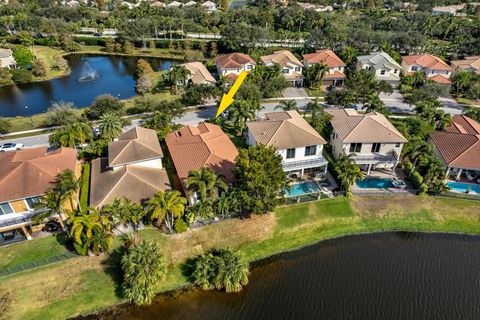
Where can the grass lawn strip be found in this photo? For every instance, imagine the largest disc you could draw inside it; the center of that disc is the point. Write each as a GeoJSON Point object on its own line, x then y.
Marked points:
{"type": "Point", "coordinates": [86, 284]}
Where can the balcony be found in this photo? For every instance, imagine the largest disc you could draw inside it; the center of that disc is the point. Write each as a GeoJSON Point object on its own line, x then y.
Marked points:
{"type": "Point", "coordinates": [375, 157]}
{"type": "Point", "coordinates": [304, 164]}
{"type": "Point", "coordinates": [23, 220]}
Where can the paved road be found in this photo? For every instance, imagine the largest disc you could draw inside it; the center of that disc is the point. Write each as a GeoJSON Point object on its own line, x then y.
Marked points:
{"type": "Point", "coordinates": [396, 104]}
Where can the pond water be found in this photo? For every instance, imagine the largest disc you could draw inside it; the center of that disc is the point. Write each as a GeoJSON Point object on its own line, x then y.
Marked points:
{"type": "Point", "coordinates": [379, 276]}
{"type": "Point", "coordinates": [91, 75]}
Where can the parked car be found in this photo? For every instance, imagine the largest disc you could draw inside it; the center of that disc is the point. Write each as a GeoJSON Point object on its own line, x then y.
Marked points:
{"type": "Point", "coordinates": [11, 147]}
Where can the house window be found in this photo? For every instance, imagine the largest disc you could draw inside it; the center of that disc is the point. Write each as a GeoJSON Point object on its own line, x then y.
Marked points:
{"type": "Point", "coordinates": [310, 151]}
{"type": "Point", "coordinates": [382, 72]}
{"type": "Point", "coordinates": [291, 153]}
{"type": "Point", "coordinates": [249, 67]}
{"type": "Point", "coordinates": [355, 147]}
{"type": "Point", "coordinates": [414, 68]}
{"type": "Point", "coordinates": [395, 70]}
{"type": "Point", "coordinates": [32, 202]}
{"type": "Point", "coordinates": [376, 147]}
{"type": "Point", "coordinates": [397, 145]}
{"type": "Point", "coordinates": [5, 208]}
{"type": "Point", "coordinates": [285, 70]}
{"type": "Point", "coordinates": [298, 69]}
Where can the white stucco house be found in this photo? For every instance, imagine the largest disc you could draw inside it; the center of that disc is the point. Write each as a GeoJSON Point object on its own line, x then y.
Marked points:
{"type": "Point", "coordinates": [6, 59]}
{"type": "Point", "coordinates": [300, 145]}
{"type": "Point", "coordinates": [382, 66]}
{"type": "Point", "coordinates": [232, 64]}
{"type": "Point", "coordinates": [291, 67]}
{"type": "Point", "coordinates": [432, 66]}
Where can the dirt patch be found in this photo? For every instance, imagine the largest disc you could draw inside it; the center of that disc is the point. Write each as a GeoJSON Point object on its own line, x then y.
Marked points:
{"type": "Point", "coordinates": [231, 233]}
{"type": "Point", "coordinates": [380, 206]}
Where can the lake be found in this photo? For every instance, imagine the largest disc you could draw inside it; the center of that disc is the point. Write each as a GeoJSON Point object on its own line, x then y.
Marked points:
{"type": "Point", "coordinates": [378, 276]}
{"type": "Point", "coordinates": [114, 75]}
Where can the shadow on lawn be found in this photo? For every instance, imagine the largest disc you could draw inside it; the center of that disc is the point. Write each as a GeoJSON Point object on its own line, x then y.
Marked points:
{"type": "Point", "coordinates": [112, 266]}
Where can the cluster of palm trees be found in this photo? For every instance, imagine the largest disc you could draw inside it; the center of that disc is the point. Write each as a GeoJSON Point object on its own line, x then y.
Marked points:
{"type": "Point", "coordinates": [315, 74]}
{"type": "Point", "coordinates": [347, 173]}
{"type": "Point", "coordinates": [177, 75]}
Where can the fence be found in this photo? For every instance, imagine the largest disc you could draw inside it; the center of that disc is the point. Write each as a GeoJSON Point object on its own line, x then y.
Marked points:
{"type": "Point", "coordinates": [36, 264]}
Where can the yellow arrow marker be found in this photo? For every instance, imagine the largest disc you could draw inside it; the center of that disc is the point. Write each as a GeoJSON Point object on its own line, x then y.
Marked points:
{"type": "Point", "coordinates": [227, 98]}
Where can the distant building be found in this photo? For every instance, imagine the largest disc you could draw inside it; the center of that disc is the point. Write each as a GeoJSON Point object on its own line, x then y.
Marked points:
{"type": "Point", "coordinates": [448, 10]}
{"type": "Point", "coordinates": [336, 66]}
{"type": "Point", "coordinates": [369, 139]}
{"type": "Point", "coordinates": [300, 145]}
{"type": "Point", "coordinates": [190, 4]}
{"type": "Point", "coordinates": [6, 59]}
{"type": "Point", "coordinates": [290, 65]}
{"type": "Point", "coordinates": [25, 176]}
{"type": "Point", "coordinates": [433, 67]}
{"type": "Point", "coordinates": [209, 5]}
{"type": "Point", "coordinates": [231, 65]}
{"type": "Point", "coordinates": [195, 147]}
{"type": "Point", "coordinates": [199, 74]}
{"type": "Point", "coordinates": [133, 169]}
{"type": "Point", "coordinates": [158, 4]}
{"type": "Point", "coordinates": [382, 66]}
{"type": "Point", "coordinates": [174, 4]}
{"type": "Point", "coordinates": [470, 64]}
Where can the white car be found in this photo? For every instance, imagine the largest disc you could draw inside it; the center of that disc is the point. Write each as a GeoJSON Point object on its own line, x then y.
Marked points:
{"type": "Point", "coordinates": [11, 147]}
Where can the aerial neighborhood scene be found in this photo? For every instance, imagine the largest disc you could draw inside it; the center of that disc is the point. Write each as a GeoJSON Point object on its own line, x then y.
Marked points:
{"type": "Point", "coordinates": [239, 159]}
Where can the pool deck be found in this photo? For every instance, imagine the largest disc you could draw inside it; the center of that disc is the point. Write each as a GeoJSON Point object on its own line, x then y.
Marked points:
{"type": "Point", "coordinates": [399, 174]}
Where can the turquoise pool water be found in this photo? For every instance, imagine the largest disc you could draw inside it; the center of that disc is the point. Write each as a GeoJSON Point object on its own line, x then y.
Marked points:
{"type": "Point", "coordinates": [303, 188]}
{"type": "Point", "coordinates": [462, 187]}
{"type": "Point", "coordinates": [375, 183]}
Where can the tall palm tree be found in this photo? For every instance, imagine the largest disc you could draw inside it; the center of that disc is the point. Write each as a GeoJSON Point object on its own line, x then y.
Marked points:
{"type": "Point", "coordinates": [417, 150]}
{"type": "Point", "coordinates": [315, 75]}
{"type": "Point", "coordinates": [205, 181]}
{"type": "Point", "coordinates": [313, 107]}
{"type": "Point", "coordinates": [434, 171]}
{"type": "Point", "coordinates": [67, 184]}
{"type": "Point", "coordinates": [110, 126]}
{"type": "Point", "coordinates": [374, 103]}
{"type": "Point", "coordinates": [123, 211]}
{"type": "Point", "coordinates": [71, 135]}
{"type": "Point", "coordinates": [86, 226]}
{"type": "Point", "coordinates": [165, 207]}
{"type": "Point", "coordinates": [177, 74]}
{"type": "Point", "coordinates": [442, 119]}
{"type": "Point", "coordinates": [241, 112]}
{"type": "Point", "coordinates": [287, 105]}
{"type": "Point", "coordinates": [50, 204]}
{"type": "Point", "coordinates": [347, 172]}
{"type": "Point", "coordinates": [223, 204]}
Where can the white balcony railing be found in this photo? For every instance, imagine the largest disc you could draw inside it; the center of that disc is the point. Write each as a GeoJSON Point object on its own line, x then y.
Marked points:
{"type": "Point", "coordinates": [309, 163]}
{"type": "Point", "coordinates": [390, 157]}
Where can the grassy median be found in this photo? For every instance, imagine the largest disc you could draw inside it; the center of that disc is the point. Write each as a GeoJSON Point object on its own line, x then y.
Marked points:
{"type": "Point", "coordinates": [86, 284]}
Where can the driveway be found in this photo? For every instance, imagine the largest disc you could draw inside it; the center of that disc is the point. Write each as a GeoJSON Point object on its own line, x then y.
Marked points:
{"type": "Point", "coordinates": [293, 92]}
{"type": "Point", "coordinates": [395, 102]}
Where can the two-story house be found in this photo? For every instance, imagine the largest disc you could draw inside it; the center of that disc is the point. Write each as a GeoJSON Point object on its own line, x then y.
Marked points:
{"type": "Point", "coordinates": [469, 64]}
{"type": "Point", "coordinates": [133, 169]}
{"type": "Point", "coordinates": [232, 64]}
{"type": "Point", "coordinates": [335, 75]}
{"type": "Point", "coordinates": [201, 146]}
{"type": "Point", "coordinates": [290, 65]}
{"type": "Point", "coordinates": [25, 176]}
{"type": "Point", "coordinates": [382, 66]}
{"type": "Point", "coordinates": [209, 6]}
{"type": "Point", "coordinates": [433, 67]}
{"type": "Point", "coordinates": [370, 139]}
{"type": "Point", "coordinates": [198, 74]}
{"type": "Point", "coordinates": [300, 145]}
{"type": "Point", "coordinates": [6, 59]}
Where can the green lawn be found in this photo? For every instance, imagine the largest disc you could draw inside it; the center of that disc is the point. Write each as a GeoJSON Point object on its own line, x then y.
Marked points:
{"type": "Point", "coordinates": [86, 284]}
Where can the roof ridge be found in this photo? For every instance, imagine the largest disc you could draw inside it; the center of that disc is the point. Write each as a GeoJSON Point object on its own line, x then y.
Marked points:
{"type": "Point", "coordinates": [303, 129]}
{"type": "Point", "coordinates": [113, 187]}
{"type": "Point", "coordinates": [361, 120]}
{"type": "Point", "coordinates": [466, 150]}
{"type": "Point", "coordinates": [12, 171]}
{"type": "Point", "coordinates": [276, 131]}
{"type": "Point", "coordinates": [123, 149]}
{"type": "Point", "coordinates": [145, 181]}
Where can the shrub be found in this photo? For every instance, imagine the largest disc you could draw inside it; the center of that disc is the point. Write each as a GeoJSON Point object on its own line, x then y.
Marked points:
{"type": "Point", "coordinates": [5, 126]}
{"type": "Point", "coordinates": [60, 63]}
{"type": "Point", "coordinates": [180, 226]}
{"type": "Point", "coordinates": [144, 68]}
{"type": "Point", "coordinates": [22, 76]}
{"type": "Point", "coordinates": [105, 103]}
{"type": "Point", "coordinates": [220, 269]}
{"type": "Point", "coordinates": [39, 68]}
{"type": "Point", "coordinates": [408, 167]}
{"type": "Point", "coordinates": [60, 114]}
{"type": "Point", "coordinates": [416, 179]}
{"type": "Point", "coordinates": [423, 189]}
{"type": "Point", "coordinates": [143, 267]}
{"type": "Point", "coordinates": [23, 56]}
{"type": "Point", "coordinates": [128, 47]}
{"type": "Point", "coordinates": [144, 83]}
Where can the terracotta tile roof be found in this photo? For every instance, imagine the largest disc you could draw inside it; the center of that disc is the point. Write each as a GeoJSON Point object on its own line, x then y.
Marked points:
{"type": "Point", "coordinates": [133, 182]}
{"type": "Point", "coordinates": [231, 77]}
{"type": "Point", "coordinates": [198, 72]}
{"type": "Point", "coordinates": [427, 61]}
{"type": "Point", "coordinates": [335, 75]}
{"type": "Point", "coordinates": [205, 145]}
{"type": "Point", "coordinates": [284, 130]}
{"type": "Point", "coordinates": [438, 78]}
{"type": "Point", "coordinates": [234, 60]}
{"type": "Point", "coordinates": [371, 127]}
{"type": "Point", "coordinates": [282, 58]}
{"type": "Point", "coordinates": [467, 63]}
{"type": "Point", "coordinates": [137, 144]}
{"type": "Point", "coordinates": [325, 56]}
{"type": "Point", "coordinates": [459, 143]}
{"type": "Point", "coordinates": [31, 172]}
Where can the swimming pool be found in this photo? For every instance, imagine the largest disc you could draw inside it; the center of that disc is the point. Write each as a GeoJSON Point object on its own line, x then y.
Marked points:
{"type": "Point", "coordinates": [303, 188]}
{"type": "Point", "coordinates": [375, 183]}
{"type": "Point", "coordinates": [462, 187]}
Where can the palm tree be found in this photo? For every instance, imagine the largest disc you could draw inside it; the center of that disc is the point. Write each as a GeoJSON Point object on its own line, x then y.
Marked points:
{"type": "Point", "coordinates": [86, 226]}
{"type": "Point", "coordinates": [418, 79]}
{"type": "Point", "coordinates": [177, 74]}
{"type": "Point", "coordinates": [110, 126]}
{"type": "Point", "coordinates": [349, 54]}
{"type": "Point", "coordinates": [205, 181]}
{"type": "Point", "coordinates": [241, 112]}
{"type": "Point", "coordinates": [440, 186]}
{"type": "Point", "coordinates": [374, 103]}
{"type": "Point", "coordinates": [71, 135]}
{"type": "Point", "coordinates": [143, 267]}
{"type": "Point", "coordinates": [472, 112]}
{"type": "Point", "coordinates": [223, 204]}
{"type": "Point", "coordinates": [313, 107]}
{"type": "Point", "coordinates": [287, 105]}
{"type": "Point", "coordinates": [165, 207]}
{"type": "Point", "coordinates": [50, 204]}
{"type": "Point", "coordinates": [414, 154]}
{"type": "Point", "coordinates": [347, 172]}
{"type": "Point", "coordinates": [434, 171]}
{"type": "Point", "coordinates": [123, 211]}
{"type": "Point", "coordinates": [232, 272]}
{"type": "Point", "coordinates": [67, 185]}
{"type": "Point", "coordinates": [442, 119]}
{"type": "Point", "coordinates": [315, 75]}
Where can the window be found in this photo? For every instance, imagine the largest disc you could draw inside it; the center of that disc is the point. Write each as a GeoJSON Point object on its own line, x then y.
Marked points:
{"type": "Point", "coordinates": [291, 153]}
{"type": "Point", "coordinates": [397, 145]}
{"type": "Point", "coordinates": [298, 69]}
{"type": "Point", "coordinates": [355, 147]}
{"type": "Point", "coordinates": [414, 68]}
{"type": "Point", "coordinates": [395, 70]}
{"type": "Point", "coordinates": [285, 70]}
{"type": "Point", "coordinates": [310, 151]}
{"type": "Point", "coordinates": [376, 147]}
{"type": "Point", "coordinates": [382, 72]}
{"type": "Point", "coordinates": [32, 202]}
{"type": "Point", "coordinates": [5, 208]}
{"type": "Point", "coordinates": [249, 67]}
